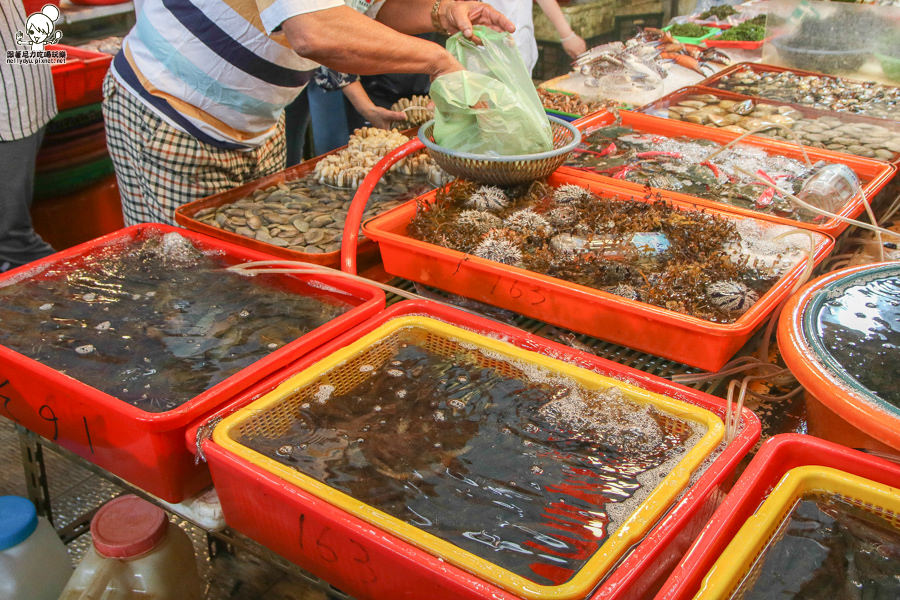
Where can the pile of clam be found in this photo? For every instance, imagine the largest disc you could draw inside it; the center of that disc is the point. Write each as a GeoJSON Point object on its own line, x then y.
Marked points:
{"type": "Point", "coordinates": [367, 146]}
{"type": "Point", "coordinates": [828, 93]}
{"type": "Point", "coordinates": [770, 120]}
{"type": "Point", "coordinates": [304, 215]}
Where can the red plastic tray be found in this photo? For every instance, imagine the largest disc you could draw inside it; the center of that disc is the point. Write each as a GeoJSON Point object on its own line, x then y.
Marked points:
{"type": "Point", "coordinates": [147, 449]}
{"type": "Point", "coordinates": [377, 565]}
{"type": "Point", "coordinates": [743, 45]}
{"type": "Point", "coordinates": [80, 80]}
{"type": "Point", "coordinates": [658, 106]}
{"type": "Point", "coordinates": [873, 174]}
{"type": "Point", "coordinates": [777, 456]}
{"type": "Point", "coordinates": [715, 24]}
{"type": "Point", "coordinates": [367, 251]}
{"type": "Point", "coordinates": [648, 328]}
{"type": "Point", "coordinates": [33, 6]}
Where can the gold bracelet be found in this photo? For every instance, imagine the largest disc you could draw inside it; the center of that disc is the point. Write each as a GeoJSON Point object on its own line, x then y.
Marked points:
{"type": "Point", "coordinates": [436, 17]}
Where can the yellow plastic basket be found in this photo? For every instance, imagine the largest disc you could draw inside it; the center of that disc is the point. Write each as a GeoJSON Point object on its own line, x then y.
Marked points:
{"type": "Point", "coordinates": [740, 563]}
{"type": "Point", "coordinates": [273, 412]}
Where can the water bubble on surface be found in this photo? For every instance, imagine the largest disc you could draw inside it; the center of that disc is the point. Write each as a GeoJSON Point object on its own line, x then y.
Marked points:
{"type": "Point", "coordinates": [324, 393]}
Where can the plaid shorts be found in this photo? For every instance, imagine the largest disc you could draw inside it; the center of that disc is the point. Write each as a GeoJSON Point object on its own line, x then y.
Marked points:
{"type": "Point", "coordinates": [159, 167]}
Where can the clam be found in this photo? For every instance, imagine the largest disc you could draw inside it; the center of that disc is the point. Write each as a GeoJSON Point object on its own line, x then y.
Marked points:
{"type": "Point", "coordinates": [744, 107]}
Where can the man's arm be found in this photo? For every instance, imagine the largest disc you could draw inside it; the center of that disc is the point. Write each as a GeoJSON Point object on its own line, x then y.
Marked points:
{"type": "Point", "coordinates": [414, 16]}
{"type": "Point", "coordinates": [344, 40]}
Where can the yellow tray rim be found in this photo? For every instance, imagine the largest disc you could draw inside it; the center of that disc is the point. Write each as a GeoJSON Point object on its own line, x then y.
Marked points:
{"type": "Point", "coordinates": [629, 532]}
{"type": "Point", "coordinates": [735, 561]}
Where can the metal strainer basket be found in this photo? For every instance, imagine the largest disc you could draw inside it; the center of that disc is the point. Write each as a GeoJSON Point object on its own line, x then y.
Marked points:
{"type": "Point", "coordinates": [504, 170]}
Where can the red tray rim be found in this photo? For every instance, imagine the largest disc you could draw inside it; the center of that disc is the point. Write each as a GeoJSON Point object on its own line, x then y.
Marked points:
{"type": "Point", "coordinates": [715, 42]}
{"type": "Point", "coordinates": [744, 324]}
{"type": "Point", "coordinates": [372, 300]}
{"type": "Point", "coordinates": [184, 215]}
{"type": "Point", "coordinates": [653, 544]}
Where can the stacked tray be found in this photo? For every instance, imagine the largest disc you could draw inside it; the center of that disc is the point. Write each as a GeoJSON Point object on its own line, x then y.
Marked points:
{"type": "Point", "coordinates": [79, 80]}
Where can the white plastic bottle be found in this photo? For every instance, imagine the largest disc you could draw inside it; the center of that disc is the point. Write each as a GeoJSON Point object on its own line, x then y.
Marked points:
{"type": "Point", "coordinates": [34, 564]}
{"type": "Point", "coordinates": [137, 554]}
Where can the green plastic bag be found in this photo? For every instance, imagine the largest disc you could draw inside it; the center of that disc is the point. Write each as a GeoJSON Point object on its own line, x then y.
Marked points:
{"type": "Point", "coordinates": [492, 107]}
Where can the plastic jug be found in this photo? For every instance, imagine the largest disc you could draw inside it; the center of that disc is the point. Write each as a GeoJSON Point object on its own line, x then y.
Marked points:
{"type": "Point", "coordinates": [34, 564]}
{"type": "Point", "coordinates": [137, 554]}
{"type": "Point", "coordinates": [830, 187]}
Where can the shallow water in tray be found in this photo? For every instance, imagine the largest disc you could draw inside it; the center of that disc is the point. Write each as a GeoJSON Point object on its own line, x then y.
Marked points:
{"type": "Point", "coordinates": [861, 330]}
{"type": "Point", "coordinates": [154, 323]}
{"type": "Point", "coordinates": [831, 549]}
{"type": "Point", "coordinates": [527, 472]}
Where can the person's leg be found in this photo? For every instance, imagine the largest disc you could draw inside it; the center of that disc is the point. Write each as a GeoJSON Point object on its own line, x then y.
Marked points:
{"type": "Point", "coordinates": [19, 244]}
{"type": "Point", "coordinates": [160, 168]}
{"type": "Point", "coordinates": [329, 121]}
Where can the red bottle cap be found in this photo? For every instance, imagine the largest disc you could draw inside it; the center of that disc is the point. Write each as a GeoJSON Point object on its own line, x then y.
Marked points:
{"type": "Point", "coordinates": [128, 527]}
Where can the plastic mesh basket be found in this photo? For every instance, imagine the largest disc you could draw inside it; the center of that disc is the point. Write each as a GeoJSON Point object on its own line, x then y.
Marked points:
{"type": "Point", "coordinates": [740, 564]}
{"type": "Point", "coordinates": [504, 170]}
{"type": "Point", "coordinates": [274, 413]}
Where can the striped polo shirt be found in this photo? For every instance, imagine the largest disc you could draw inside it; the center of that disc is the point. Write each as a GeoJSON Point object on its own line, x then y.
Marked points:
{"type": "Point", "coordinates": [216, 69]}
